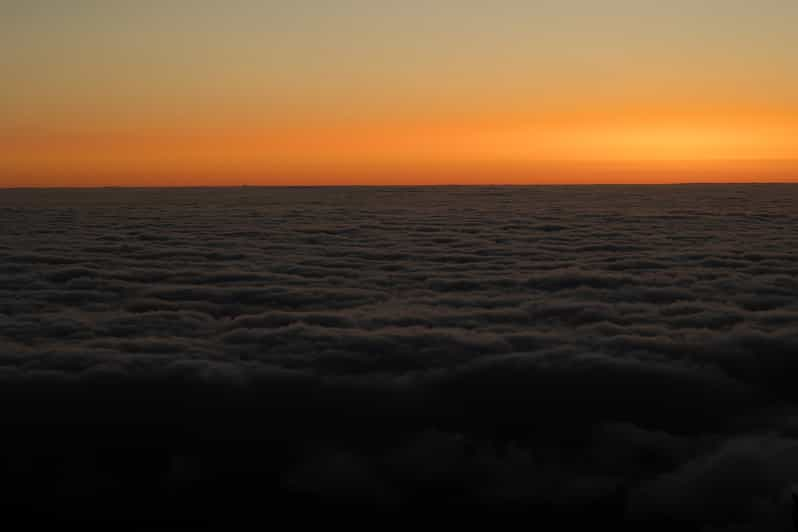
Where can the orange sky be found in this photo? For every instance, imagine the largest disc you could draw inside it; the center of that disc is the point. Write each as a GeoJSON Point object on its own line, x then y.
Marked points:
{"type": "Point", "coordinates": [188, 93]}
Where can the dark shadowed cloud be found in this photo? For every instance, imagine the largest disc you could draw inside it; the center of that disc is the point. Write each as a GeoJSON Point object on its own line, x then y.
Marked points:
{"type": "Point", "coordinates": [626, 350]}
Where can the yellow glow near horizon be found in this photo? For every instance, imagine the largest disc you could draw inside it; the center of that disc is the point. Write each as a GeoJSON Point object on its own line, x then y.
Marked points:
{"type": "Point", "coordinates": [382, 147]}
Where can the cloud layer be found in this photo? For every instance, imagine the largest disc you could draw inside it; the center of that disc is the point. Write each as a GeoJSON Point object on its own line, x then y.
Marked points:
{"type": "Point", "coordinates": [558, 350]}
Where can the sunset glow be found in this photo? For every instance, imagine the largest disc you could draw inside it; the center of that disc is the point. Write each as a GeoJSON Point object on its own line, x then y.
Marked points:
{"type": "Point", "coordinates": [357, 94]}
{"type": "Point", "coordinates": [462, 263]}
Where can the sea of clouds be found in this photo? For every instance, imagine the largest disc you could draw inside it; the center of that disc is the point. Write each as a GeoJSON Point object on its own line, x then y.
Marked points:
{"type": "Point", "coordinates": [626, 353]}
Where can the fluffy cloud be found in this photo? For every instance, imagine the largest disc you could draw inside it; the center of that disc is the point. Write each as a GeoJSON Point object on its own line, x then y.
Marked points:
{"type": "Point", "coordinates": [558, 353]}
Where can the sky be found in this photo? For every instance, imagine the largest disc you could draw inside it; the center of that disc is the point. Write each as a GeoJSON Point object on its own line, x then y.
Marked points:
{"type": "Point", "coordinates": [363, 92]}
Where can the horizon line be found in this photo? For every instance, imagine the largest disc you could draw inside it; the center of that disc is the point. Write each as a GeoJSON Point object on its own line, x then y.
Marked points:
{"type": "Point", "coordinates": [395, 185]}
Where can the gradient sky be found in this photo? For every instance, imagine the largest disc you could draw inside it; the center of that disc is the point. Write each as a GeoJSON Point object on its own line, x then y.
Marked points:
{"type": "Point", "coordinates": [354, 91]}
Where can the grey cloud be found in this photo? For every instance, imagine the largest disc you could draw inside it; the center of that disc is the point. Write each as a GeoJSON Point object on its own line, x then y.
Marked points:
{"type": "Point", "coordinates": [538, 347]}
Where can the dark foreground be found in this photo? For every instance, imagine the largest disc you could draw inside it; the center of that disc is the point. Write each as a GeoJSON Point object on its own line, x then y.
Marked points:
{"type": "Point", "coordinates": [389, 358]}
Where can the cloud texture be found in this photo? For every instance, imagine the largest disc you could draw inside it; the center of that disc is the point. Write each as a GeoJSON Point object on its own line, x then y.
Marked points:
{"type": "Point", "coordinates": [605, 352]}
